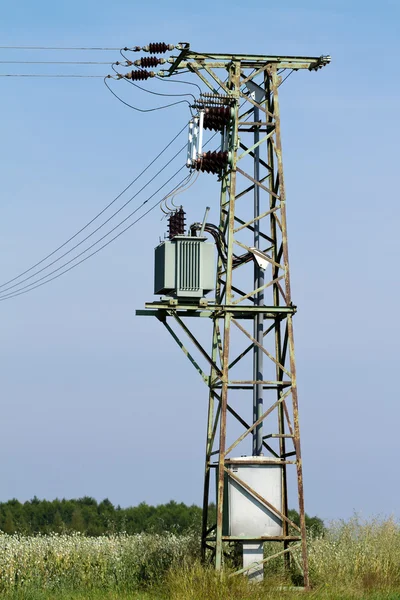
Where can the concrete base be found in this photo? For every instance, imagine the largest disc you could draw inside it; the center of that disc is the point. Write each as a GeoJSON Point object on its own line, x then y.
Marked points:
{"type": "Point", "coordinates": [253, 554]}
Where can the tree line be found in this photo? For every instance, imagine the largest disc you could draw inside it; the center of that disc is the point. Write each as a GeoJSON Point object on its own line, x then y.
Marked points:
{"type": "Point", "coordinates": [87, 516]}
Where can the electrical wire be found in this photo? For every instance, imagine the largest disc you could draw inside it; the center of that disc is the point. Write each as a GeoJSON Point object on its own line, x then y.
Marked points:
{"type": "Point", "coordinates": [287, 76]}
{"type": "Point", "coordinates": [184, 189]}
{"type": "Point", "coordinates": [33, 284]}
{"type": "Point", "coordinates": [142, 110]}
{"type": "Point", "coordinates": [123, 55]}
{"type": "Point", "coordinates": [99, 227]}
{"type": "Point", "coordinates": [34, 75]}
{"type": "Point", "coordinates": [150, 91]}
{"type": "Point", "coordinates": [98, 214]}
{"type": "Point", "coordinates": [174, 192]}
{"type": "Point", "coordinates": [49, 48]}
{"type": "Point", "coordinates": [179, 81]}
{"type": "Point", "coordinates": [188, 184]}
{"type": "Point", "coordinates": [157, 93]}
{"type": "Point", "coordinates": [51, 62]}
{"type": "Point", "coordinates": [22, 290]}
{"type": "Point", "coordinates": [182, 73]}
{"type": "Point", "coordinates": [81, 261]}
{"type": "Point", "coordinates": [36, 283]}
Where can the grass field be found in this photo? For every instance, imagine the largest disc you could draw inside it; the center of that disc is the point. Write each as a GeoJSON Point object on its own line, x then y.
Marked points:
{"type": "Point", "coordinates": [354, 560]}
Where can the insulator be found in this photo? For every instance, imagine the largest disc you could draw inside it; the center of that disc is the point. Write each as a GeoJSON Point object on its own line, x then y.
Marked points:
{"type": "Point", "coordinates": [216, 117]}
{"type": "Point", "coordinates": [149, 61]}
{"type": "Point", "coordinates": [158, 48]}
{"type": "Point", "coordinates": [176, 223]}
{"type": "Point", "coordinates": [139, 75]}
{"type": "Point", "coordinates": [209, 98]}
{"type": "Point", "coordinates": [212, 162]}
{"type": "Point", "coordinates": [180, 219]}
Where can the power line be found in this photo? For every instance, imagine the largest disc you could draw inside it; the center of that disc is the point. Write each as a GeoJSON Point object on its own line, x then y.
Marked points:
{"type": "Point", "coordinates": [143, 110]}
{"type": "Point", "coordinates": [166, 78]}
{"type": "Point", "coordinates": [98, 214]}
{"type": "Point", "coordinates": [178, 191]}
{"type": "Point", "coordinates": [34, 286]}
{"type": "Point", "coordinates": [155, 93]}
{"type": "Point", "coordinates": [100, 226]}
{"type": "Point", "coordinates": [36, 283]}
{"type": "Point", "coordinates": [179, 81]}
{"type": "Point", "coordinates": [50, 48]}
{"type": "Point", "coordinates": [287, 76]}
{"type": "Point", "coordinates": [34, 75]}
{"type": "Point", "coordinates": [52, 62]}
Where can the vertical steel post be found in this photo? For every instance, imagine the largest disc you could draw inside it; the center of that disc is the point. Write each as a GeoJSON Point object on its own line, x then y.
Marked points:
{"type": "Point", "coordinates": [278, 323]}
{"type": "Point", "coordinates": [292, 362]}
{"type": "Point", "coordinates": [258, 330]}
{"type": "Point", "coordinates": [234, 84]}
{"type": "Point", "coordinates": [211, 401]}
{"type": "Point", "coordinates": [209, 445]}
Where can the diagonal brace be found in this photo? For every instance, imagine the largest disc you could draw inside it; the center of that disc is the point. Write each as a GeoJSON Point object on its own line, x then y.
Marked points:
{"type": "Point", "coordinates": [261, 499]}
{"type": "Point", "coordinates": [278, 364]}
{"type": "Point", "coordinates": [198, 345]}
{"type": "Point", "coordinates": [205, 377]}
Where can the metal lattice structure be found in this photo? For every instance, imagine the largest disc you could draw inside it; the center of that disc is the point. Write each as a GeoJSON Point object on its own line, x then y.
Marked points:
{"type": "Point", "coordinates": [253, 309]}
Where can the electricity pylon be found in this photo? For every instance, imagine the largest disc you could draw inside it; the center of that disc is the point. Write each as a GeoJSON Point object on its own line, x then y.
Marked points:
{"type": "Point", "coordinates": [253, 298]}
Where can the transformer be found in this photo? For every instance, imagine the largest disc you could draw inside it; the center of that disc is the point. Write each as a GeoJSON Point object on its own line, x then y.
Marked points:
{"type": "Point", "coordinates": [184, 267]}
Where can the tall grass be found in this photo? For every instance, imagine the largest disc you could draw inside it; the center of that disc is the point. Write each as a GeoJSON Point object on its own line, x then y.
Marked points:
{"type": "Point", "coordinates": [74, 562]}
{"type": "Point", "coordinates": [354, 560]}
{"type": "Point", "coordinates": [360, 555]}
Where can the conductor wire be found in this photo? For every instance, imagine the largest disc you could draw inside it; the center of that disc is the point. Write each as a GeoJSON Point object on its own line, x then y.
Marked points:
{"type": "Point", "coordinates": [98, 214]}
{"type": "Point", "coordinates": [36, 284]}
{"type": "Point", "coordinates": [142, 110]}
{"type": "Point", "coordinates": [97, 228]}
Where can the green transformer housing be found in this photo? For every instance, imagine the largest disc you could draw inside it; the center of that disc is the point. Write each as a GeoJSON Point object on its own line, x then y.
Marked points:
{"type": "Point", "coordinates": [184, 267]}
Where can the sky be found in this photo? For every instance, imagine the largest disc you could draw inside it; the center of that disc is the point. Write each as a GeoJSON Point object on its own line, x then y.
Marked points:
{"type": "Point", "coordinates": [99, 402]}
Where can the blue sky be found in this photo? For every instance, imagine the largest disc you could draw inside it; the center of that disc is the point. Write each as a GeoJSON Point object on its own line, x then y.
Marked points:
{"type": "Point", "coordinates": [96, 401]}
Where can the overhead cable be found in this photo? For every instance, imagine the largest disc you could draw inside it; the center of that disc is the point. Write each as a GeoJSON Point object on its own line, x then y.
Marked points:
{"type": "Point", "coordinates": [36, 284]}
{"type": "Point", "coordinates": [98, 214]}
{"type": "Point", "coordinates": [145, 89]}
{"type": "Point", "coordinates": [179, 81]}
{"type": "Point", "coordinates": [287, 76]}
{"type": "Point", "coordinates": [41, 75]}
{"type": "Point", "coordinates": [40, 282]}
{"type": "Point", "coordinates": [50, 48]}
{"type": "Point", "coordinates": [142, 110]}
{"type": "Point", "coordinates": [52, 62]}
{"type": "Point", "coordinates": [100, 226]}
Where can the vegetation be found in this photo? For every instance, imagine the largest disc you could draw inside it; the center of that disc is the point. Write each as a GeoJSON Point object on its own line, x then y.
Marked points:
{"type": "Point", "coordinates": [87, 516]}
{"type": "Point", "coordinates": [354, 560]}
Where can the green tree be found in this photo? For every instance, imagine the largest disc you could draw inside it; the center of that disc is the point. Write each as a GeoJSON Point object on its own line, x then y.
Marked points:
{"type": "Point", "coordinates": [92, 518]}
{"type": "Point", "coordinates": [77, 521]}
{"type": "Point", "coordinates": [313, 524]}
{"type": "Point", "coordinates": [8, 525]}
{"type": "Point", "coordinates": [58, 524]}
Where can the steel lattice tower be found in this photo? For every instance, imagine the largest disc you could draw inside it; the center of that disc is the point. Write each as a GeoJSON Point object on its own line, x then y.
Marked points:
{"type": "Point", "coordinates": [253, 301]}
